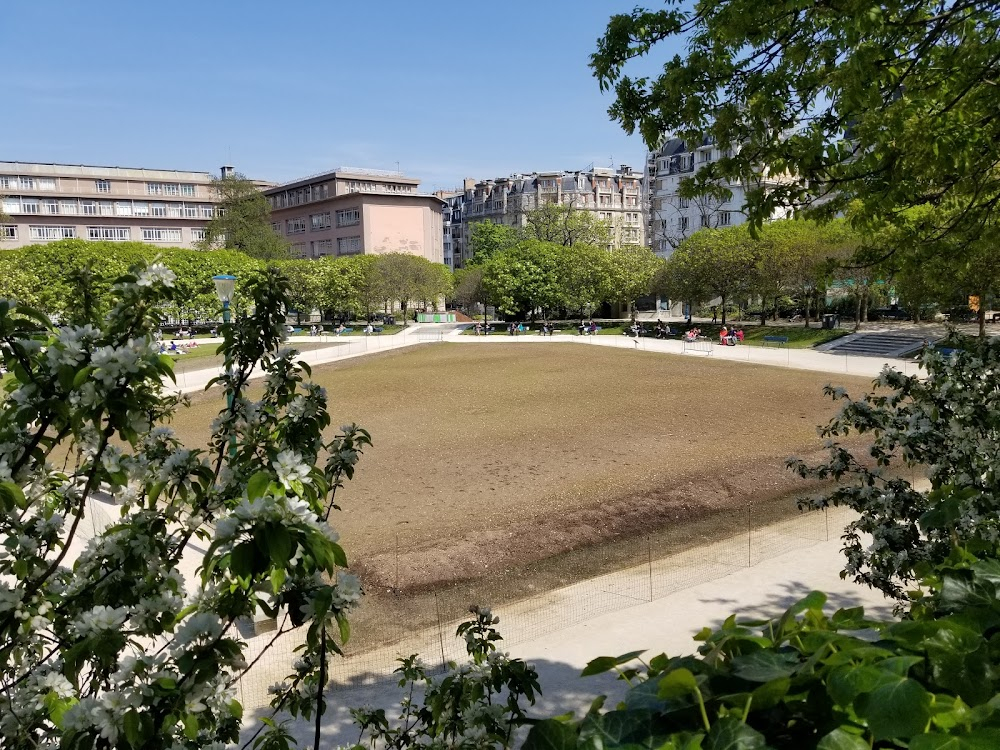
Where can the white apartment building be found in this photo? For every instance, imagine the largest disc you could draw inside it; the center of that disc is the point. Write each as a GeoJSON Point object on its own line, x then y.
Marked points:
{"type": "Point", "coordinates": [46, 202]}
{"type": "Point", "coordinates": [673, 218]}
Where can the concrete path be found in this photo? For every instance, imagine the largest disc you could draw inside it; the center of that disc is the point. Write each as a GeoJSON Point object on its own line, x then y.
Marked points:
{"type": "Point", "coordinates": [565, 643]}
{"type": "Point", "coordinates": [348, 347]}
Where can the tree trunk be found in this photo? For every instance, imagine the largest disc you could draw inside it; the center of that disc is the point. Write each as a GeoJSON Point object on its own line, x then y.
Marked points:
{"type": "Point", "coordinates": [723, 309]}
{"type": "Point", "coordinates": [808, 315]}
{"type": "Point", "coordinates": [857, 313]}
{"type": "Point", "coordinates": [864, 308]}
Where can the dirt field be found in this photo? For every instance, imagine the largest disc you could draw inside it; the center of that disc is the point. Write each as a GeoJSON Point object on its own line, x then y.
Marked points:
{"type": "Point", "coordinates": [489, 459]}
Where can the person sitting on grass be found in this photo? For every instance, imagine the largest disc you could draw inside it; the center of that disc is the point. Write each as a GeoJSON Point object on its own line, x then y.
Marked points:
{"type": "Point", "coordinates": [593, 328]}
{"type": "Point", "coordinates": [341, 328]}
{"type": "Point", "coordinates": [477, 328]}
{"type": "Point", "coordinates": [739, 334]}
{"type": "Point", "coordinates": [723, 335]}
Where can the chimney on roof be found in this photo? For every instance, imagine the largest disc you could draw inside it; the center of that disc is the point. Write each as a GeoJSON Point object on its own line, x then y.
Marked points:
{"type": "Point", "coordinates": [468, 183]}
{"type": "Point", "coordinates": [227, 171]}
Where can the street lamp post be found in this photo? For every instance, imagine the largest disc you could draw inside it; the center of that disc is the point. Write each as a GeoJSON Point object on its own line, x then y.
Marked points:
{"type": "Point", "coordinates": [225, 285]}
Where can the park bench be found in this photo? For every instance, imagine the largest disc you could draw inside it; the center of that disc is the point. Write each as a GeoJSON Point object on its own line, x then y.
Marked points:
{"type": "Point", "coordinates": [586, 330]}
{"type": "Point", "coordinates": [346, 330]}
{"type": "Point", "coordinates": [701, 345]}
{"type": "Point", "coordinates": [775, 341]}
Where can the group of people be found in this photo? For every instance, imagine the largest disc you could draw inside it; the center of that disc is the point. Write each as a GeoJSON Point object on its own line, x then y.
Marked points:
{"type": "Point", "coordinates": [177, 348]}
{"type": "Point", "coordinates": [588, 329]}
{"type": "Point", "coordinates": [692, 334]}
{"type": "Point", "coordinates": [730, 336]}
{"type": "Point", "coordinates": [515, 328]}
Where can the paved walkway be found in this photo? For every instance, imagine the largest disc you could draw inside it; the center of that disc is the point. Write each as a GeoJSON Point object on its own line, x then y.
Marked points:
{"type": "Point", "coordinates": [706, 594]}
{"type": "Point", "coordinates": [348, 347]}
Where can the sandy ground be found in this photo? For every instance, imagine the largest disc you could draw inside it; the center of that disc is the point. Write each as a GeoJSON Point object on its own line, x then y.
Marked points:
{"type": "Point", "coordinates": [490, 458]}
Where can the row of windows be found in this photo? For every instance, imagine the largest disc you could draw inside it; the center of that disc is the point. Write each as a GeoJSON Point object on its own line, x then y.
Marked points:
{"type": "Point", "coordinates": [297, 197]}
{"type": "Point", "coordinates": [721, 219]}
{"type": "Point", "coordinates": [12, 182]}
{"type": "Point", "coordinates": [295, 226]}
{"type": "Point", "coordinates": [74, 207]}
{"type": "Point", "coordinates": [116, 234]}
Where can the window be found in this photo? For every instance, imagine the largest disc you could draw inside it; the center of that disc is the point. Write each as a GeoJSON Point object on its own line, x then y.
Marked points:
{"type": "Point", "coordinates": [67, 207]}
{"type": "Point", "coordinates": [276, 227]}
{"type": "Point", "coordinates": [348, 245]}
{"type": "Point", "coordinates": [682, 223]}
{"type": "Point", "coordinates": [26, 183]}
{"type": "Point", "coordinates": [123, 208]}
{"type": "Point", "coordinates": [45, 183]}
{"type": "Point", "coordinates": [724, 218]}
{"type": "Point", "coordinates": [295, 226]}
{"type": "Point", "coordinates": [158, 234]}
{"type": "Point", "coordinates": [498, 205]}
{"type": "Point", "coordinates": [8, 232]}
{"type": "Point", "coordinates": [348, 217]}
{"type": "Point", "coordinates": [157, 209]}
{"type": "Point", "coordinates": [11, 205]}
{"type": "Point", "coordinates": [207, 212]}
{"type": "Point", "coordinates": [29, 206]}
{"type": "Point", "coordinates": [187, 190]}
{"type": "Point", "coordinates": [174, 210]}
{"type": "Point", "coordinates": [107, 208]}
{"type": "Point", "coordinates": [163, 188]}
{"type": "Point", "coordinates": [319, 248]}
{"type": "Point", "coordinates": [684, 202]}
{"type": "Point", "coordinates": [190, 212]}
{"type": "Point", "coordinates": [298, 250]}
{"type": "Point", "coordinates": [320, 221]}
{"type": "Point", "coordinates": [114, 234]}
{"type": "Point", "coordinates": [198, 234]}
{"type": "Point", "coordinates": [704, 220]}
{"type": "Point", "coordinates": [102, 186]}
{"type": "Point", "coordinates": [50, 207]}
{"type": "Point", "coordinates": [88, 208]}
{"type": "Point", "coordinates": [705, 156]}
{"type": "Point", "coordinates": [52, 233]}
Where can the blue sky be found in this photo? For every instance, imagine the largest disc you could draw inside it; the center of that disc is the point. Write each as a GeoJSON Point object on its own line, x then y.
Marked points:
{"type": "Point", "coordinates": [286, 89]}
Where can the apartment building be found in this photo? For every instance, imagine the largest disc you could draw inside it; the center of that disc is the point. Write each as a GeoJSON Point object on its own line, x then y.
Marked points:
{"type": "Point", "coordinates": [353, 211]}
{"type": "Point", "coordinates": [672, 218]}
{"type": "Point", "coordinates": [613, 195]}
{"type": "Point", "coordinates": [45, 202]}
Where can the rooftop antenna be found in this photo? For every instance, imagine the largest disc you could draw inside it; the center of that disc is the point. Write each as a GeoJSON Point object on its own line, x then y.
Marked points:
{"type": "Point", "coordinates": [397, 166]}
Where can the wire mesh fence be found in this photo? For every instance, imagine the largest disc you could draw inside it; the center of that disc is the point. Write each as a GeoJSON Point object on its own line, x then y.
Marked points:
{"type": "Point", "coordinates": [400, 617]}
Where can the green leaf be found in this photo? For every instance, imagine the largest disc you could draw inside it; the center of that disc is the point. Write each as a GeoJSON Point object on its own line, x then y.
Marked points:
{"type": "Point", "coordinates": [551, 735]}
{"type": "Point", "coordinates": [848, 682]}
{"type": "Point", "coordinates": [606, 663]}
{"type": "Point", "coordinates": [895, 711]}
{"type": "Point", "coordinates": [241, 560]}
{"type": "Point", "coordinates": [763, 666]}
{"type": "Point", "coordinates": [13, 494]}
{"type": "Point", "coordinates": [677, 683]}
{"type": "Point", "coordinates": [770, 693]}
{"type": "Point", "coordinates": [132, 726]}
{"type": "Point", "coordinates": [979, 739]}
{"type": "Point", "coordinates": [838, 739]}
{"type": "Point", "coordinates": [729, 733]}
{"type": "Point", "coordinates": [258, 484]}
{"type": "Point", "coordinates": [191, 726]}
{"type": "Point", "coordinates": [279, 544]}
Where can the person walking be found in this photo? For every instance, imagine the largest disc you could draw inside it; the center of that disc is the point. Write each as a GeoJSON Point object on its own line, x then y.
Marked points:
{"type": "Point", "coordinates": [715, 314]}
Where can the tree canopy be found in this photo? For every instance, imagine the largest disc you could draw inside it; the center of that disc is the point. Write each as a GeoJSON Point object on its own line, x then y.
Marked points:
{"type": "Point", "coordinates": [887, 105]}
{"type": "Point", "coordinates": [243, 220]}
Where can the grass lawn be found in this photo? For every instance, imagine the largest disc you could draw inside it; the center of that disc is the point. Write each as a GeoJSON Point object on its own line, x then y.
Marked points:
{"type": "Point", "coordinates": [799, 337]}
{"type": "Point", "coordinates": [488, 458]}
{"type": "Point", "coordinates": [203, 356]}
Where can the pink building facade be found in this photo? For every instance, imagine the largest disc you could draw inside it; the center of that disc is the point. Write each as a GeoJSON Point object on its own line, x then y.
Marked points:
{"type": "Point", "coordinates": [351, 211]}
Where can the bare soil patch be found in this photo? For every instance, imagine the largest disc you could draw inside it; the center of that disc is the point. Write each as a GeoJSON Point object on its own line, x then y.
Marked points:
{"type": "Point", "coordinates": [490, 460]}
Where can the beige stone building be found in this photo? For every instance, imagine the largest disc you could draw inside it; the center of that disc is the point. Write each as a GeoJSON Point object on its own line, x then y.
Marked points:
{"type": "Point", "coordinates": [614, 195]}
{"type": "Point", "coordinates": [46, 202]}
{"type": "Point", "coordinates": [351, 211]}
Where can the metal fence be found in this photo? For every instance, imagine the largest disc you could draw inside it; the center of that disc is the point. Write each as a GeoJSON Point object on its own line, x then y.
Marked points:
{"type": "Point", "coordinates": [402, 617]}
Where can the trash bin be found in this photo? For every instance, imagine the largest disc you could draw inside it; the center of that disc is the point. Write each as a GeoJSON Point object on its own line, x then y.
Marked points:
{"type": "Point", "coordinates": [829, 320]}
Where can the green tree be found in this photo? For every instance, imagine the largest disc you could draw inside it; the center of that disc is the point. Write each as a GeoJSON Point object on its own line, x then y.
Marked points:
{"type": "Point", "coordinates": [584, 276]}
{"type": "Point", "coordinates": [409, 278]}
{"type": "Point", "coordinates": [486, 239]}
{"type": "Point", "coordinates": [890, 105]}
{"type": "Point", "coordinates": [523, 278]}
{"type": "Point", "coordinates": [306, 282]}
{"type": "Point", "coordinates": [565, 225]}
{"type": "Point", "coordinates": [243, 221]}
{"type": "Point", "coordinates": [715, 263]}
{"type": "Point", "coordinates": [631, 271]}
{"type": "Point", "coordinates": [369, 283]}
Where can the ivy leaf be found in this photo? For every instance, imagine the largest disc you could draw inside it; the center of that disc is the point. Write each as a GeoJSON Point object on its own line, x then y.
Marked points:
{"type": "Point", "coordinates": [838, 739]}
{"type": "Point", "coordinates": [551, 735]}
{"type": "Point", "coordinates": [895, 711]}
{"type": "Point", "coordinates": [980, 739]}
{"type": "Point", "coordinates": [764, 666]}
{"type": "Point", "coordinates": [606, 663]}
{"type": "Point", "coordinates": [729, 733]}
{"type": "Point", "coordinates": [677, 683]}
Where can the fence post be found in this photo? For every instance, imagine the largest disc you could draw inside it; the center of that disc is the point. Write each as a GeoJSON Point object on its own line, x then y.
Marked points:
{"type": "Point", "coordinates": [437, 611]}
{"type": "Point", "coordinates": [649, 559]}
